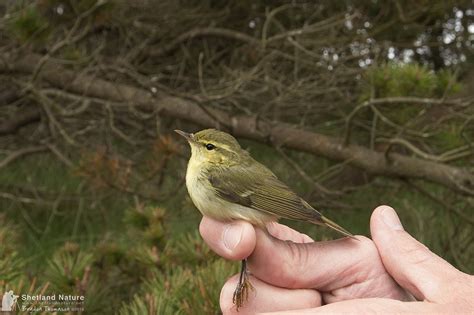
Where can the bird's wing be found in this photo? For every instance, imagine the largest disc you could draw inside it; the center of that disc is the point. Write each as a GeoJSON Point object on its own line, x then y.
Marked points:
{"type": "Point", "coordinates": [255, 186]}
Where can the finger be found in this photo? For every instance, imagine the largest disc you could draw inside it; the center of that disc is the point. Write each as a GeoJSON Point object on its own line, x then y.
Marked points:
{"type": "Point", "coordinates": [372, 306]}
{"type": "Point", "coordinates": [378, 286]}
{"type": "Point", "coordinates": [285, 233]}
{"type": "Point", "coordinates": [267, 298]}
{"type": "Point", "coordinates": [411, 264]}
{"type": "Point", "coordinates": [324, 266]}
{"type": "Point", "coordinates": [236, 240]}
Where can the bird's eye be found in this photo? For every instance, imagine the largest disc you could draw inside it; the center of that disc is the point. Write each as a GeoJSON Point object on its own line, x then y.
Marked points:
{"type": "Point", "coordinates": [210, 146]}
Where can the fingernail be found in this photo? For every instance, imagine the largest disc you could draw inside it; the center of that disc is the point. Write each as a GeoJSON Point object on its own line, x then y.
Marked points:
{"type": "Point", "coordinates": [390, 218]}
{"type": "Point", "coordinates": [232, 235]}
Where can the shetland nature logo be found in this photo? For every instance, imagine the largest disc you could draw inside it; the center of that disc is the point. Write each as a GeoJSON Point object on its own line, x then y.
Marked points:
{"type": "Point", "coordinates": [9, 301]}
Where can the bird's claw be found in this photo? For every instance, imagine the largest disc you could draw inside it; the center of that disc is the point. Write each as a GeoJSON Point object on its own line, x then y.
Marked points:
{"type": "Point", "coordinates": [241, 292]}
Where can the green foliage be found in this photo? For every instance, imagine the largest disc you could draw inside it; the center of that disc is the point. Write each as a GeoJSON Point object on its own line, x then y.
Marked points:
{"type": "Point", "coordinates": [188, 290]}
{"type": "Point", "coordinates": [391, 80]}
{"type": "Point", "coordinates": [11, 264]}
{"type": "Point", "coordinates": [41, 21]}
{"type": "Point", "coordinates": [184, 276]}
{"type": "Point", "coordinates": [70, 271]}
{"type": "Point", "coordinates": [188, 249]}
{"type": "Point", "coordinates": [67, 266]}
{"type": "Point", "coordinates": [29, 24]}
{"type": "Point", "coordinates": [449, 136]}
{"type": "Point", "coordinates": [447, 83]}
{"type": "Point", "coordinates": [147, 223]}
{"type": "Point", "coordinates": [156, 271]}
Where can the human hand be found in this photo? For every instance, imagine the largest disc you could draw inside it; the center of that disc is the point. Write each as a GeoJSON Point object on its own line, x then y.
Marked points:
{"type": "Point", "coordinates": [347, 275]}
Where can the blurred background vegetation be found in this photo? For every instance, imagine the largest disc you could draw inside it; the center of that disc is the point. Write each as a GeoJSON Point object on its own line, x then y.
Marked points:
{"type": "Point", "coordinates": [92, 194]}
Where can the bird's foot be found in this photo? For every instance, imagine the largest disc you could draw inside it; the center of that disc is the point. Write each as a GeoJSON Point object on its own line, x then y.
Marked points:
{"type": "Point", "coordinates": [241, 292]}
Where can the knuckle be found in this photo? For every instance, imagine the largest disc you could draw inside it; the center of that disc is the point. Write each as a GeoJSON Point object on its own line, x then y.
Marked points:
{"type": "Point", "coordinates": [364, 239]}
{"type": "Point", "coordinates": [360, 270]}
{"type": "Point", "coordinates": [367, 247]}
{"type": "Point", "coordinates": [416, 253]}
{"type": "Point", "coordinates": [367, 251]}
{"type": "Point", "coordinates": [297, 263]}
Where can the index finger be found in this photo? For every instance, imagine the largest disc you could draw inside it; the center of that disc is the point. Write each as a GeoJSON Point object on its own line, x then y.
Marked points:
{"type": "Point", "coordinates": [236, 240]}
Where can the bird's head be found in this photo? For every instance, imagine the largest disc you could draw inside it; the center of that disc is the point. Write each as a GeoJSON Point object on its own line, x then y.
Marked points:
{"type": "Point", "coordinates": [213, 146]}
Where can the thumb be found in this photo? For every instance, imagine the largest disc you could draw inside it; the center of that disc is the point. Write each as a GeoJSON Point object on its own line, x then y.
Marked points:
{"type": "Point", "coordinates": [410, 263]}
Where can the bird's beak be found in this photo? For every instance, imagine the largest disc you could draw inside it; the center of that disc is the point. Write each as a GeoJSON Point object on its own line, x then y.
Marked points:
{"type": "Point", "coordinates": [187, 136]}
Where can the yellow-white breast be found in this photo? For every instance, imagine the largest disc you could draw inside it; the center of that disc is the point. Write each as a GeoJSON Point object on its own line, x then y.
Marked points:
{"type": "Point", "coordinates": [205, 197]}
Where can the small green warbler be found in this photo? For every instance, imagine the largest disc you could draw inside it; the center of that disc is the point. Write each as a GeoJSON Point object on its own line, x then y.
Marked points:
{"type": "Point", "coordinates": [226, 183]}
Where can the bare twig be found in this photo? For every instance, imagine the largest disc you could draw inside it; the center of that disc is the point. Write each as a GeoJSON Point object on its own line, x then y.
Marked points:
{"type": "Point", "coordinates": [114, 129]}
{"type": "Point", "coordinates": [461, 152]}
{"type": "Point", "coordinates": [305, 176]}
{"type": "Point", "coordinates": [25, 117]}
{"type": "Point", "coordinates": [23, 199]}
{"type": "Point", "coordinates": [394, 100]}
{"type": "Point", "coordinates": [440, 201]}
{"type": "Point", "coordinates": [20, 153]}
{"type": "Point", "coordinates": [69, 38]}
{"type": "Point", "coordinates": [60, 155]}
{"type": "Point", "coordinates": [53, 122]}
{"type": "Point", "coordinates": [200, 32]}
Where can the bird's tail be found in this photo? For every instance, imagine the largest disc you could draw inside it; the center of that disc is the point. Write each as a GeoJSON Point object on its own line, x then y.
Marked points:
{"type": "Point", "coordinates": [325, 221]}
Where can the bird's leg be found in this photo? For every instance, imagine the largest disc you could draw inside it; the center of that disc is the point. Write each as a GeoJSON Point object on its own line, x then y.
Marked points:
{"type": "Point", "coordinates": [241, 292]}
